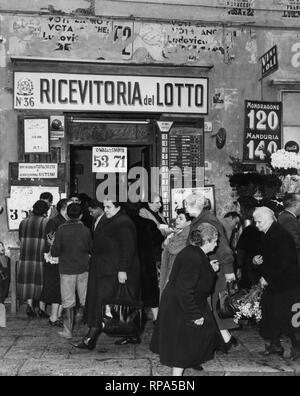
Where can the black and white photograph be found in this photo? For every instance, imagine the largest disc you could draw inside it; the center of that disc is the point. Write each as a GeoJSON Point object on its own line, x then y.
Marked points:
{"type": "Point", "coordinates": [150, 190]}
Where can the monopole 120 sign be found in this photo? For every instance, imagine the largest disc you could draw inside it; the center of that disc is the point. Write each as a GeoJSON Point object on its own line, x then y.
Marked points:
{"type": "Point", "coordinates": [78, 92]}
{"type": "Point", "coordinates": [262, 130]}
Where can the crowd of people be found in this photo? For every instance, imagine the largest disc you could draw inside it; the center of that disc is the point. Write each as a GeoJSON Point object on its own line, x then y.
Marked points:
{"type": "Point", "coordinates": [75, 256]}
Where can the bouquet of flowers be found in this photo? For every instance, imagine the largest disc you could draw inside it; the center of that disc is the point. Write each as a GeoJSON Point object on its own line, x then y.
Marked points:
{"type": "Point", "coordinates": [249, 306]}
{"type": "Point", "coordinates": [285, 161]}
{"type": "Point", "coordinates": [286, 165]}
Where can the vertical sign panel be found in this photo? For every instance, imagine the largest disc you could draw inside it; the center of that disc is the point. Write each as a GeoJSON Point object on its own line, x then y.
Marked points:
{"type": "Point", "coordinates": [262, 130]}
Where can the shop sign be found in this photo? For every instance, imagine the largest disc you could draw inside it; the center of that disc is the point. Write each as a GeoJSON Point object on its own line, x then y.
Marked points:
{"type": "Point", "coordinates": [262, 130]}
{"type": "Point", "coordinates": [164, 126]}
{"type": "Point", "coordinates": [37, 171]}
{"type": "Point", "coordinates": [269, 62]}
{"type": "Point", "coordinates": [79, 92]}
{"type": "Point", "coordinates": [109, 159]}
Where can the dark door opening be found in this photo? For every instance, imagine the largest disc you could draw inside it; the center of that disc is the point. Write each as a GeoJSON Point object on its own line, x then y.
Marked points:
{"type": "Point", "coordinates": [83, 180]}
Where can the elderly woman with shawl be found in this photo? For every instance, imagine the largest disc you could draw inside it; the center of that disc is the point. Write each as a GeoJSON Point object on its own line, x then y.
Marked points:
{"type": "Point", "coordinates": [175, 242]}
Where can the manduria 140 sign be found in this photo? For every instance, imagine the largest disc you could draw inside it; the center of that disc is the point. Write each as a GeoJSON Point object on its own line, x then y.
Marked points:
{"type": "Point", "coordinates": [78, 92]}
{"type": "Point", "coordinates": [262, 130]}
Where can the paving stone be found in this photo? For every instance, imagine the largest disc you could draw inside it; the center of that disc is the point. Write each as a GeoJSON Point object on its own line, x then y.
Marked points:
{"type": "Point", "coordinates": [7, 341]}
{"type": "Point", "coordinates": [16, 353]}
{"type": "Point", "coordinates": [32, 347]}
{"type": "Point", "coordinates": [123, 367]}
{"type": "Point", "coordinates": [10, 367]}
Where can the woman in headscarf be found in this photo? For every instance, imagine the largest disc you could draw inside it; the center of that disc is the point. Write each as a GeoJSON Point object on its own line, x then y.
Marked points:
{"type": "Point", "coordinates": [157, 231]}
{"type": "Point", "coordinates": [173, 245]}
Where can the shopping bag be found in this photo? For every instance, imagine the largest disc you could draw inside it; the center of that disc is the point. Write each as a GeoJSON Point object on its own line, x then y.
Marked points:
{"type": "Point", "coordinates": [227, 304]}
{"type": "Point", "coordinates": [125, 314]}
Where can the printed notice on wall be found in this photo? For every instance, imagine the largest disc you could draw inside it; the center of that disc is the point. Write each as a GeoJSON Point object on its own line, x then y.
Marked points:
{"type": "Point", "coordinates": [109, 159]}
{"type": "Point", "coordinates": [21, 201]}
{"type": "Point", "coordinates": [37, 171]}
{"type": "Point", "coordinates": [36, 135]}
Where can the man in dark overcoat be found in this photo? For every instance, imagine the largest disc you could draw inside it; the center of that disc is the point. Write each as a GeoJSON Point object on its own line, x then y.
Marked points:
{"type": "Point", "coordinates": [114, 261]}
{"type": "Point", "coordinates": [288, 218]}
{"type": "Point", "coordinates": [281, 277]}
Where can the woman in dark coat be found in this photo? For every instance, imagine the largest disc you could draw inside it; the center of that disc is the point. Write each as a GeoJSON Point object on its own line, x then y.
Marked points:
{"type": "Point", "coordinates": [224, 255]}
{"type": "Point", "coordinates": [32, 235]}
{"type": "Point", "coordinates": [51, 290]}
{"type": "Point", "coordinates": [186, 334]}
{"type": "Point", "coordinates": [114, 261]}
{"type": "Point", "coordinates": [155, 231]}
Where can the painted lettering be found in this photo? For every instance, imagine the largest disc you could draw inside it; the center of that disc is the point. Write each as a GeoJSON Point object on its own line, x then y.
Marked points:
{"type": "Point", "coordinates": [44, 90]}
{"type": "Point", "coordinates": [296, 57]}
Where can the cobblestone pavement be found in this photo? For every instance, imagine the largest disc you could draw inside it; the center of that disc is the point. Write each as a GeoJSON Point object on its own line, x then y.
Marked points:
{"type": "Point", "coordinates": [33, 348]}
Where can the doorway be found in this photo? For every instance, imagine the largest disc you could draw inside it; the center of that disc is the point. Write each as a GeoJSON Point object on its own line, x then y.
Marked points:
{"type": "Point", "coordinates": [83, 180]}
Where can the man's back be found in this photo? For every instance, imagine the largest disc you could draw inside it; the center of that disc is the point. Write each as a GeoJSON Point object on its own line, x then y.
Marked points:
{"type": "Point", "coordinates": [72, 244]}
{"type": "Point", "coordinates": [291, 224]}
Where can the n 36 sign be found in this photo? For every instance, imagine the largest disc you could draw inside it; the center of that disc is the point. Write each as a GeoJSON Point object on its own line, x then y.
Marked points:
{"type": "Point", "coordinates": [262, 130]}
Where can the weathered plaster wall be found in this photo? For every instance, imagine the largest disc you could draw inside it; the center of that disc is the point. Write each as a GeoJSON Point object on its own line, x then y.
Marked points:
{"type": "Point", "coordinates": [233, 51]}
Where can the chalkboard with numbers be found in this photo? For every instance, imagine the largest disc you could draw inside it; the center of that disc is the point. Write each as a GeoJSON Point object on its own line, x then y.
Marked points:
{"type": "Point", "coordinates": [186, 150]}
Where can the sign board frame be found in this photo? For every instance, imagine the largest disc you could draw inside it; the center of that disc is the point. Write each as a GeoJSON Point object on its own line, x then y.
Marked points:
{"type": "Point", "coordinates": [207, 190]}
{"type": "Point", "coordinates": [32, 126]}
{"type": "Point", "coordinates": [36, 170]}
{"type": "Point", "coordinates": [26, 203]}
{"type": "Point", "coordinates": [262, 131]}
{"type": "Point", "coordinates": [108, 159]}
{"type": "Point", "coordinates": [270, 56]}
{"type": "Point", "coordinates": [110, 93]}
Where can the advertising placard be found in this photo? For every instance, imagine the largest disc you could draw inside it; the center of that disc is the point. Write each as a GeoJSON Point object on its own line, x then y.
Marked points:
{"type": "Point", "coordinates": [38, 171]}
{"type": "Point", "coordinates": [178, 196]}
{"type": "Point", "coordinates": [109, 159]}
{"type": "Point", "coordinates": [262, 133]}
{"type": "Point", "coordinates": [269, 62]}
{"type": "Point", "coordinates": [21, 201]}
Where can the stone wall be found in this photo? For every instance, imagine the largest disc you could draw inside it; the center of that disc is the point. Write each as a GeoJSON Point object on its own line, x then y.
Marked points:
{"type": "Point", "coordinates": [212, 34]}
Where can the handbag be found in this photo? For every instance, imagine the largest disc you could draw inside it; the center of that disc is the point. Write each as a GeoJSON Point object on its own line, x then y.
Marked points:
{"type": "Point", "coordinates": [227, 304]}
{"type": "Point", "coordinates": [126, 314]}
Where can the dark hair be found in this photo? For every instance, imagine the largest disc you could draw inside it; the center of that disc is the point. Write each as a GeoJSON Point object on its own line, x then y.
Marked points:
{"type": "Point", "coordinates": [184, 212]}
{"type": "Point", "coordinates": [290, 200]}
{"type": "Point", "coordinates": [234, 215]}
{"type": "Point", "coordinates": [247, 204]}
{"type": "Point", "coordinates": [115, 203]}
{"type": "Point", "coordinates": [74, 211]}
{"type": "Point", "coordinates": [62, 204]}
{"type": "Point", "coordinates": [40, 208]}
{"type": "Point", "coordinates": [74, 196]}
{"type": "Point", "coordinates": [84, 198]}
{"type": "Point", "coordinates": [94, 204]}
{"type": "Point", "coordinates": [47, 195]}
{"type": "Point", "coordinates": [205, 232]}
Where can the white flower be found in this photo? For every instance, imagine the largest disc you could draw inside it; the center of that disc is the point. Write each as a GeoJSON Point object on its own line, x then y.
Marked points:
{"type": "Point", "coordinates": [285, 159]}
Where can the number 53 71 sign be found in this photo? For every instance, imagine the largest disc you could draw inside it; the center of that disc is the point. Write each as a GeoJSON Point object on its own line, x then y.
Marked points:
{"type": "Point", "coordinates": [262, 130]}
{"type": "Point", "coordinates": [110, 159]}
